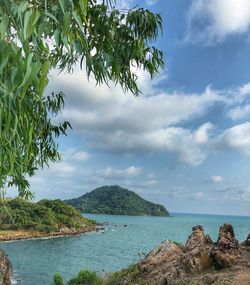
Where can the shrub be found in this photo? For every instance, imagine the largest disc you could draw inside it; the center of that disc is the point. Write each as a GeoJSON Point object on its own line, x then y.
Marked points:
{"type": "Point", "coordinates": [86, 277]}
{"type": "Point", "coordinates": [57, 279]}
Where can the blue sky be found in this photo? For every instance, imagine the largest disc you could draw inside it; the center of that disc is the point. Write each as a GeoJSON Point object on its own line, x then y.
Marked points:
{"type": "Point", "coordinates": [185, 142]}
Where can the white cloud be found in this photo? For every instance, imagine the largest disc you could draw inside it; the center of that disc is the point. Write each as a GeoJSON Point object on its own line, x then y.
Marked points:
{"type": "Point", "coordinates": [72, 153]}
{"type": "Point", "coordinates": [181, 193]}
{"type": "Point", "coordinates": [239, 113]}
{"type": "Point", "coordinates": [199, 196]}
{"type": "Point", "coordinates": [62, 168]}
{"type": "Point", "coordinates": [133, 171]}
{"type": "Point", "coordinates": [81, 155]}
{"type": "Point", "coordinates": [217, 178]}
{"type": "Point", "coordinates": [212, 21]}
{"type": "Point", "coordinates": [237, 137]}
{"type": "Point", "coordinates": [72, 178]}
{"type": "Point", "coordinates": [151, 2]}
{"type": "Point", "coordinates": [201, 135]}
{"type": "Point", "coordinates": [70, 165]}
{"type": "Point", "coordinates": [239, 101]}
{"type": "Point", "coordinates": [244, 90]}
{"type": "Point", "coordinates": [240, 193]}
{"type": "Point", "coordinates": [150, 182]}
{"type": "Point", "coordinates": [110, 120]}
{"type": "Point", "coordinates": [123, 4]}
{"type": "Point", "coordinates": [114, 173]}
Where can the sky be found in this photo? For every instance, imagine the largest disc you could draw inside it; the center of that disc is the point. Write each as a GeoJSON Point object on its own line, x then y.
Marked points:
{"type": "Point", "coordinates": [184, 142]}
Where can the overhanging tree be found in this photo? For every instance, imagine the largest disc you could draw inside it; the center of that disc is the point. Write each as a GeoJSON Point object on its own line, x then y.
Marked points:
{"type": "Point", "coordinates": [38, 36]}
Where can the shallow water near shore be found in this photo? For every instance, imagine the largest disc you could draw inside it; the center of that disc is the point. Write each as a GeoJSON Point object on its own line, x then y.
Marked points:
{"type": "Point", "coordinates": [124, 241]}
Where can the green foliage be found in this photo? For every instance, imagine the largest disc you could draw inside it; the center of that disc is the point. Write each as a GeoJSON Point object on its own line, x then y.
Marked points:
{"type": "Point", "coordinates": [45, 216]}
{"type": "Point", "coordinates": [86, 277]}
{"type": "Point", "coordinates": [115, 278]}
{"type": "Point", "coordinates": [116, 201]}
{"type": "Point", "coordinates": [58, 279]}
{"type": "Point", "coordinates": [38, 36]}
{"type": "Point", "coordinates": [131, 272]}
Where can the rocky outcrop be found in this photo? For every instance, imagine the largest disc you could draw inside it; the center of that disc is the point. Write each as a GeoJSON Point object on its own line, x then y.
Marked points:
{"type": "Point", "coordinates": [197, 251]}
{"type": "Point", "coordinates": [247, 241]}
{"type": "Point", "coordinates": [226, 251]}
{"type": "Point", "coordinates": [5, 269]}
{"type": "Point", "coordinates": [199, 262]}
{"type": "Point", "coordinates": [168, 255]}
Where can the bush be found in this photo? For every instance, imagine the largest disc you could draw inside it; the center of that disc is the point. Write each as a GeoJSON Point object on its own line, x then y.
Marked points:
{"type": "Point", "coordinates": [57, 279]}
{"type": "Point", "coordinates": [86, 277]}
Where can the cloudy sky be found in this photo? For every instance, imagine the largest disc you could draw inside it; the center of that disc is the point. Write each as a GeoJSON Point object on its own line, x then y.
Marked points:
{"type": "Point", "coordinates": [185, 142]}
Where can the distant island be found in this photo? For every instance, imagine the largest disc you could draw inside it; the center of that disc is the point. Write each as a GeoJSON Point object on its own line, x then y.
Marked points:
{"type": "Point", "coordinates": [20, 219]}
{"type": "Point", "coordinates": [115, 200]}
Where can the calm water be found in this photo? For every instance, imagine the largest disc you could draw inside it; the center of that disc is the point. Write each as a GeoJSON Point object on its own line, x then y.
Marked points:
{"type": "Point", "coordinates": [36, 261]}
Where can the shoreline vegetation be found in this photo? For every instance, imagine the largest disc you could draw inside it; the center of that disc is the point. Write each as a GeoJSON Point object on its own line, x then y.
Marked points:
{"type": "Point", "coordinates": [22, 220]}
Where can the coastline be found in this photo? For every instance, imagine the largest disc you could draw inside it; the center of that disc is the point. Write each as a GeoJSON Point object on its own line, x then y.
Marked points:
{"type": "Point", "coordinates": [15, 235]}
{"type": "Point", "coordinates": [84, 248]}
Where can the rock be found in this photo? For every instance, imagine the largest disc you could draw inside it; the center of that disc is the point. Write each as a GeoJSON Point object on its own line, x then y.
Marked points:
{"type": "Point", "coordinates": [226, 239]}
{"type": "Point", "coordinates": [167, 252]}
{"type": "Point", "coordinates": [5, 269]}
{"type": "Point", "coordinates": [247, 241]}
{"type": "Point", "coordinates": [198, 248]}
{"type": "Point", "coordinates": [226, 250]}
{"type": "Point", "coordinates": [198, 238]}
{"type": "Point", "coordinates": [162, 265]}
{"type": "Point", "coordinates": [223, 260]}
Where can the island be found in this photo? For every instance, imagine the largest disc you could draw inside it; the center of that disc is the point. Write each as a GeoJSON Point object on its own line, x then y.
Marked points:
{"type": "Point", "coordinates": [115, 200]}
{"type": "Point", "coordinates": [21, 219]}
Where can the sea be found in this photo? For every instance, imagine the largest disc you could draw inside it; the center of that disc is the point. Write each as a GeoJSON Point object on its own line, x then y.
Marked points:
{"type": "Point", "coordinates": [122, 241]}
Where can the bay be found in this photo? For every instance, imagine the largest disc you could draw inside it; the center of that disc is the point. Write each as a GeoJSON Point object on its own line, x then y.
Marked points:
{"type": "Point", "coordinates": [124, 241]}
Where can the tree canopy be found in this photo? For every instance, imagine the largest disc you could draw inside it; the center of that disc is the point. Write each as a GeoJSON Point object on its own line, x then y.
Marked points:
{"type": "Point", "coordinates": [39, 36]}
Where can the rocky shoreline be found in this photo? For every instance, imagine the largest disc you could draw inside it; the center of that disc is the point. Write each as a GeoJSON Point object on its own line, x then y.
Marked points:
{"type": "Point", "coordinates": [199, 262]}
{"type": "Point", "coordinates": [7, 236]}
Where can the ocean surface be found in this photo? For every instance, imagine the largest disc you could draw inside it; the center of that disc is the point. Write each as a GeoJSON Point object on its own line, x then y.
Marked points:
{"type": "Point", "coordinates": [124, 241]}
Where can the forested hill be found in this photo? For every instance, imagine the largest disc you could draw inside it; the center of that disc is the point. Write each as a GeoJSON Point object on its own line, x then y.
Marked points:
{"type": "Point", "coordinates": [44, 216]}
{"type": "Point", "coordinates": [116, 200]}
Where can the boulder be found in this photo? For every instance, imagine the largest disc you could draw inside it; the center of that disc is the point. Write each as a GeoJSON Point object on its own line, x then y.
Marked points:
{"type": "Point", "coordinates": [226, 238]}
{"type": "Point", "coordinates": [197, 251]}
{"type": "Point", "coordinates": [226, 250]}
{"type": "Point", "coordinates": [198, 239]}
{"type": "Point", "coordinates": [167, 253]}
{"type": "Point", "coordinates": [162, 265]}
{"type": "Point", "coordinates": [5, 269]}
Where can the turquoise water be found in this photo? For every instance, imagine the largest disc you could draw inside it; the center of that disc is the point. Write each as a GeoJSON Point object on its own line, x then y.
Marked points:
{"type": "Point", "coordinates": [117, 246]}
